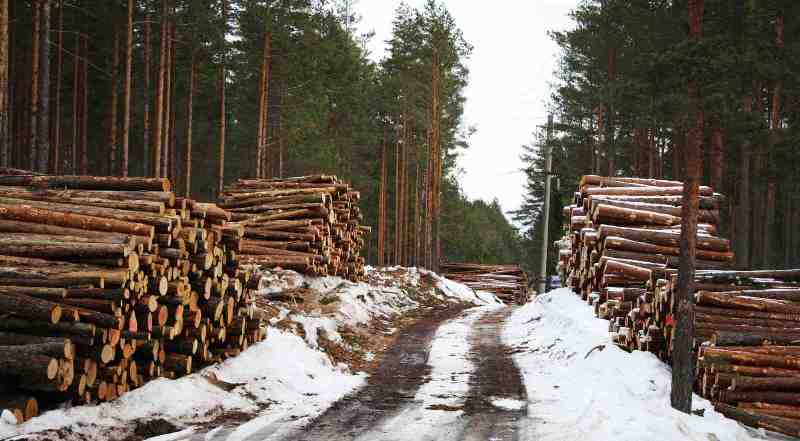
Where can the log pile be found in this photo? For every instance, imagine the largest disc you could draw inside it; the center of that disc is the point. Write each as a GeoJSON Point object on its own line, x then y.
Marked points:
{"type": "Point", "coordinates": [507, 282]}
{"type": "Point", "coordinates": [620, 234]}
{"type": "Point", "coordinates": [107, 283]}
{"type": "Point", "coordinates": [620, 253]}
{"type": "Point", "coordinates": [748, 332]}
{"type": "Point", "coordinates": [310, 224]}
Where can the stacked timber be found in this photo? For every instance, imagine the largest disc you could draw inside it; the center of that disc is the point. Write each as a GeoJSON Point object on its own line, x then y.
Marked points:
{"type": "Point", "coordinates": [310, 224]}
{"type": "Point", "coordinates": [507, 282]}
{"type": "Point", "coordinates": [107, 283]}
{"type": "Point", "coordinates": [619, 233]}
{"type": "Point", "coordinates": [749, 361]}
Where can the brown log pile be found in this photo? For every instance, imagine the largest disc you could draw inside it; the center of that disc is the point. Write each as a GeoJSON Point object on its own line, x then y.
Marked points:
{"type": "Point", "coordinates": [311, 224]}
{"type": "Point", "coordinates": [621, 233]}
{"type": "Point", "coordinates": [107, 283]}
{"type": "Point", "coordinates": [507, 282]}
{"type": "Point", "coordinates": [620, 253]}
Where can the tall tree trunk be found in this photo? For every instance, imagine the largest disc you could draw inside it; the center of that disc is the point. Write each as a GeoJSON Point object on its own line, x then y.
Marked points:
{"type": "Point", "coordinates": [682, 357]}
{"type": "Point", "coordinates": [775, 125]}
{"type": "Point", "coordinates": [4, 86]}
{"type": "Point", "coordinates": [416, 224]}
{"type": "Point", "coordinates": [172, 171]}
{"type": "Point", "coordinates": [158, 118]}
{"type": "Point", "coordinates": [76, 71]}
{"type": "Point", "coordinates": [222, 117]}
{"type": "Point", "coordinates": [262, 109]}
{"type": "Point", "coordinates": [398, 204]}
{"type": "Point", "coordinates": [651, 152]}
{"type": "Point", "coordinates": [609, 132]}
{"type": "Point", "coordinates": [43, 120]}
{"type": "Point", "coordinates": [744, 215]}
{"type": "Point", "coordinates": [84, 104]}
{"type": "Point", "coordinates": [167, 112]}
{"type": "Point", "coordinates": [382, 200]}
{"type": "Point", "coordinates": [189, 112]}
{"type": "Point", "coordinates": [56, 156]}
{"type": "Point", "coordinates": [717, 156]}
{"type": "Point", "coordinates": [112, 111]}
{"type": "Point", "coordinates": [788, 228]}
{"type": "Point", "coordinates": [146, 98]}
{"type": "Point", "coordinates": [33, 144]}
{"type": "Point", "coordinates": [126, 100]}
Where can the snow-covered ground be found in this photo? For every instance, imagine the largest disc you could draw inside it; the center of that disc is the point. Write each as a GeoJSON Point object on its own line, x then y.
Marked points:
{"type": "Point", "coordinates": [582, 387]}
{"type": "Point", "coordinates": [286, 377]}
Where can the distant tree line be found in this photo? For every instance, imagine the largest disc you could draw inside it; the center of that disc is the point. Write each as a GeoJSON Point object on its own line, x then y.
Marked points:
{"type": "Point", "coordinates": [622, 108]}
{"type": "Point", "coordinates": [204, 92]}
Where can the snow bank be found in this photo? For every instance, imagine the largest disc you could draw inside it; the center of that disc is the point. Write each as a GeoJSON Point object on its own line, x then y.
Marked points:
{"type": "Point", "coordinates": [281, 374]}
{"type": "Point", "coordinates": [285, 380]}
{"type": "Point", "coordinates": [581, 386]}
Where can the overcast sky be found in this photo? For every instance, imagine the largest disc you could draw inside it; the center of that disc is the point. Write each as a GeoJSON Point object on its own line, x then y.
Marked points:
{"type": "Point", "coordinates": [511, 70]}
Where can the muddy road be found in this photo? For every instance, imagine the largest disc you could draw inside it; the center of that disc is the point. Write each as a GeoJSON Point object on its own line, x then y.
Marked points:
{"type": "Point", "coordinates": [485, 389]}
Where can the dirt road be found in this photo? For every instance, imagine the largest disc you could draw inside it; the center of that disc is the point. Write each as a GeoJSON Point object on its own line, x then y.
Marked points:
{"type": "Point", "coordinates": [392, 407]}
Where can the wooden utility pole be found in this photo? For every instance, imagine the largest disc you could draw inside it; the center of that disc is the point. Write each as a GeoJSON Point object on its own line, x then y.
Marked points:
{"type": "Point", "coordinates": [546, 207]}
{"type": "Point", "coordinates": [112, 111]}
{"type": "Point", "coordinates": [222, 117]}
{"type": "Point", "coordinates": [189, 111]}
{"type": "Point", "coordinates": [682, 356]}
{"type": "Point", "coordinates": [33, 144]}
{"type": "Point", "coordinates": [5, 99]}
{"type": "Point", "coordinates": [146, 103]}
{"type": "Point", "coordinates": [126, 100]}
{"type": "Point", "coordinates": [158, 118]}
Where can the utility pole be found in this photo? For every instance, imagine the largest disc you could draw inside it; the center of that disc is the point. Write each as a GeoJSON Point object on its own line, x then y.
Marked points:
{"type": "Point", "coordinates": [547, 173]}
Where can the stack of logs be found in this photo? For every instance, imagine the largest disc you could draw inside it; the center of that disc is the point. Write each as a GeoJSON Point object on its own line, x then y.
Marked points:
{"type": "Point", "coordinates": [107, 283]}
{"type": "Point", "coordinates": [508, 282]}
{"type": "Point", "coordinates": [623, 231]}
{"type": "Point", "coordinates": [620, 253]}
{"type": "Point", "coordinates": [310, 224]}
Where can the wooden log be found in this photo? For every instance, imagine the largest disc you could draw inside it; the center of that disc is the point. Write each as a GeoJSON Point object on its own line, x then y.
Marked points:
{"type": "Point", "coordinates": [88, 182]}
{"type": "Point", "coordinates": [27, 213]}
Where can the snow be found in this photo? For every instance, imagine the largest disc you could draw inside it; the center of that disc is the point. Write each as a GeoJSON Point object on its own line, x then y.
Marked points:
{"type": "Point", "coordinates": [282, 374]}
{"type": "Point", "coordinates": [284, 381]}
{"type": "Point", "coordinates": [507, 403]}
{"type": "Point", "coordinates": [436, 409]}
{"type": "Point", "coordinates": [581, 386]}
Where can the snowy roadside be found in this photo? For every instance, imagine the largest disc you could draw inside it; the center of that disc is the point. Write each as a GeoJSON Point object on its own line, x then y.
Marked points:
{"type": "Point", "coordinates": [294, 375]}
{"type": "Point", "coordinates": [581, 386]}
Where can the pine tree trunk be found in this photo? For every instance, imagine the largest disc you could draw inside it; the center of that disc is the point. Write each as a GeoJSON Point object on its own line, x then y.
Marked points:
{"type": "Point", "coordinates": [4, 85]}
{"type": "Point", "coordinates": [744, 215]}
{"type": "Point", "coordinates": [33, 144]}
{"type": "Point", "coordinates": [73, 156]}
{"type": "Point", "coordinates": [56, 156]}
{"type": "Point", "coordinates": [682, 357]}
{"type": "Point", "coordinates": [84, 104]}
{"type": "Point", "coordinates": [146, 99]}
{"type": "Point", "coordinates": [167, 115]}
{"type": "Point", "coordinates": [262, 110]}
{"type": "Point", "coordinates": [189, 112]}
{"type": "Point", "coordinates": [382, 200]}
{"type": "Point", "coordinates": [43, 120]}
{"type": "Point", "coordinates": [112, 111]}
{"type": "Point", "coordinates": [158, 117]}
{"type": "Point", "coordinates": [222, 115]}
{"type": "Point", "coordinates": [126, 100]}
{"type": "Point", "coordinates": [717, 157]}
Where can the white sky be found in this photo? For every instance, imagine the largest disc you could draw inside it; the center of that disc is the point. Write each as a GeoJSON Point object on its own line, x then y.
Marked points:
{"type": "Point", "coordinates": [511, 70]}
